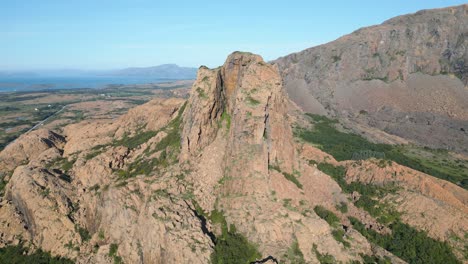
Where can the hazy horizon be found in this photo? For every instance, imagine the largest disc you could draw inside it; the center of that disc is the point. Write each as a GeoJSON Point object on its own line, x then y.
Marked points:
{"type": "Point", "coordinates": [109, 35]}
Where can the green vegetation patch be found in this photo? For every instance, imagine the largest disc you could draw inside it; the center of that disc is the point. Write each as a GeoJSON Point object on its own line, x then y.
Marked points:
{"type": "Point", "coordinates": [342, 207]}
{"type": "Point", "coordinates": [226, 118]}
{"type": "Point", "coordinates": [113, 254]}
{"type": "Point", "coordinates": [288, 176]}
{"type": "Point", "coordinates": [232, 247]}
{"type": "Point", "coordinates": [201, 93]}
{"type": "Point", "coordinates": [408, 243]}
{"type": "Point", "coordinates": [83, 232]}
{"type": "Point", "coordinates": [327, 215]}
{"type": "Point", "coordinates": [252, 101]}
{"type": "Point", "coordinates": [323, 258]}
{"type": "Point", "coordinates": [95, 151]}
{"type": "Point", "coordinates": [135, 141]}
{"type": "Point", "coordinates": [294, 254]}
{"type": "Point", "coordinates": [339, 235]}
{"type": "Point", "coordinates": [19, 255]}
{"type": "Point", "coordinates": [375, 260]}
{"type": "Point", "coordinates": [169, 146]}
{"type": "Point", "coordinates": [348, 146]}
{"type": "Point", "coordinates": [336, 58]}
{"type": "Point", "coordinates": [292, 179]}
{"type": "Point", "coordinates": [3, 184]}
{"type": "Point", "coordinates": [370, 194]}
{"type": "Point", "coordinates": [333, 220]}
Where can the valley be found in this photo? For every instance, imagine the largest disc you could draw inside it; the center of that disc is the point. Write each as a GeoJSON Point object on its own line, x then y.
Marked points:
{"type": "Point", "coordinates": [21, 111]}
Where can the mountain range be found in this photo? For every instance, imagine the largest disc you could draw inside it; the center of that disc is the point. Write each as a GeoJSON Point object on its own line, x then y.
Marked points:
{"type": "Point", "coordinates": [164, 71]}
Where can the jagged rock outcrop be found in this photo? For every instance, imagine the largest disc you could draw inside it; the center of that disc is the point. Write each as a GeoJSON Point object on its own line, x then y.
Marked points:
{"type": "Point", "coordinates": [407, 77]}
{"type": "Point", "coordinates": [144, 188]}
{"type": "Point", "coordinates": [247, 94]}
{"type": "Point", "coordinates": [28, 147]}
{"type": "Point", "coordinates": [69, 200]}
{"type": "Point", "coordinates": [238, 138]}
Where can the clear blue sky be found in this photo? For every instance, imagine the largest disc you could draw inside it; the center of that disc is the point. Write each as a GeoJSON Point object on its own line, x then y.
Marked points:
{"type": "Point", "coordinates": [109, 34]}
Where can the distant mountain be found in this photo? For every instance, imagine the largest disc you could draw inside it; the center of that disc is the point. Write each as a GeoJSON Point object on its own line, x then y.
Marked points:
{"type": "Point", "coordinates": [165, 71]}
{"type": "Point", "coordinates": [16, 74]}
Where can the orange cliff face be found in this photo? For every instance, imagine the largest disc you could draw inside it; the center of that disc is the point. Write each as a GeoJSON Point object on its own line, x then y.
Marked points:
{"type": "Point", "coordinates": [149, 180]}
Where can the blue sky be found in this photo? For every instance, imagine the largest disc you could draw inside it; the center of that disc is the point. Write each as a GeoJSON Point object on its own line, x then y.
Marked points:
{"type": "Point", "coordinates": [110, 34]}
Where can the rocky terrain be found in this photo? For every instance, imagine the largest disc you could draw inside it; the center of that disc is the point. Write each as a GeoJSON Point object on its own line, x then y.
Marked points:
{"type": "Point", "coordinates": [407, 77]}
{"type": "Point", "coordinates": [241, 173]}
{"type": "Point", "coordinates": [223, 177]}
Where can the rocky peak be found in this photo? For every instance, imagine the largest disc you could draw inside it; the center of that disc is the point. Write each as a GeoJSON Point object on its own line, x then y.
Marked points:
{"type": "Point", "coordinates": [245, 93]}
{"type": "Point", "coordinates": [233, 68]}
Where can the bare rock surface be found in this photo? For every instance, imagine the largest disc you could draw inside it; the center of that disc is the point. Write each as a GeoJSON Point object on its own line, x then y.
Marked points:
{"type": "Point", "coordinates": [141, 188]}
{"type": "Point", "coordinates": [407, 77]}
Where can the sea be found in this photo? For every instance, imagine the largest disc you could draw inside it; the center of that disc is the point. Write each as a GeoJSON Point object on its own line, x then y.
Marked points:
{"type": "Point", "coordinates": [27, 84]}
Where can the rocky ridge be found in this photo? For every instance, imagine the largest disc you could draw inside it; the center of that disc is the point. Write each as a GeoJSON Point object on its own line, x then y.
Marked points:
{"type": "Point", "coordinates": [146, 188]}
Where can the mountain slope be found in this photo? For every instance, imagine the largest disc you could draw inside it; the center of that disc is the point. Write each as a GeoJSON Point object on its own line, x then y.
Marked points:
{"type": "Point", "coordinates": [407, 77]}
{"type": "Point", "coordinates": [223, 177]}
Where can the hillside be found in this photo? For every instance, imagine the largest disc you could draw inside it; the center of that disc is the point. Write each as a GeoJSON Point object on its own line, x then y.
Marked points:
{"type": "Point", "coordinates": [228, 176]}
{"type": "Point", "coordinates": [406, 77]}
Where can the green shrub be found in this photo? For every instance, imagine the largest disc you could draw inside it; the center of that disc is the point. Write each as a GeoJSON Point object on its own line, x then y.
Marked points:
{"type": "Point", "coordinates": [336, 172]}
{"type": "Point", "coordinates": [225, 117]}
{"type": "Point", "coordinates": [3, 184]}
{"type": "Point", "coordinates": [339, 144]}
{"type": "Point", "coordinates": [326, 215]}
{"type": "Point", "coordinates": [338, 235]}
{"type": "Point", "coordinates": [342, 207]}
{"type": "Point", "coordinates": [323, 258]}
{"type": "Point", "coordinates": [252, 101]}
{"type": "Point", "coordinates": [408, 243]}
{"type": "Point", "coordinates": [67, 165]}
{"type": "Point", "coordinates": [347, 146]}
{"type": "Point", "coordinates": [101, 234]}
{"type": "Point", "coordinates": [135, 141]}
{"type": "Point", "coordinates": [18, 255]}
{"type": "Point", "coordinates": [234, 249]}
{"type": "Point", "coordinates": [83, 232]}
{"type": "Point", "coordinates": [113, 254]}
{"type": "Point", "coordinates": [113, 249]}
{"type": "Point", "coordinates": [292, 179]}
{"type": "Point", "coordinates": [294, 254]}
{"type": "Point", "coordinates": [96, 150]}
{"type": "Point", "coordinates": [375, 260]}
{"type": "Point", "coordinates": [201, 93]}
{"type": "Point", "coordinates": [336, 58]}
{"type": "Point", "coordinates": [231, 246]}
{"type": "Point", "coordinates": [370, 194]}
{"type": "Point", "coordinates": [217, 217]}
{"type": "Point", "coordinates": [288, 176]}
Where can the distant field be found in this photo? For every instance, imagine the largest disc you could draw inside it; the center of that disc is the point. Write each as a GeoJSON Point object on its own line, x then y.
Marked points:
{"type": "Point", "coordinates": [21, 111]}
